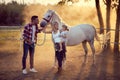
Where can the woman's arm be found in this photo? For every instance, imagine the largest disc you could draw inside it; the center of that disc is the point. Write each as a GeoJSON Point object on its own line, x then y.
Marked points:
{"type": "Point", "coordinates": [48, 32]}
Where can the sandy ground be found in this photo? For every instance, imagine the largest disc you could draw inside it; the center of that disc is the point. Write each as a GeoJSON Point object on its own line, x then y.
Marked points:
{"type": "Point", "coordinates": [106, 67]}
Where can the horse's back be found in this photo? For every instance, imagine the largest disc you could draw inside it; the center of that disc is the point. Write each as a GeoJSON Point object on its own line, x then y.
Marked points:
{"type": "Point", "coordinates": [88, 30]}
{"type": "Point", "coordinates": [79, 33]}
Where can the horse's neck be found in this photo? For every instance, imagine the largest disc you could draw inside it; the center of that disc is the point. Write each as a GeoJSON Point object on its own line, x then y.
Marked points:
{"type": "Point", "coordinates": [56, 19]}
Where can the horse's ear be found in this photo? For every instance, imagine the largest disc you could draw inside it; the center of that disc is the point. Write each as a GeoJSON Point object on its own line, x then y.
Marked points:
{"type": "Point", "coordinates": [53, 11]}
{"type": "Point", "coordinates": [49, 10]}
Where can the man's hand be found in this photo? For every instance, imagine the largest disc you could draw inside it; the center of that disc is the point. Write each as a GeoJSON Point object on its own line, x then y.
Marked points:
{"type": "Point", "coordinates": [39, 30]}
{"type": "Point", "coordinates": [29, 41]}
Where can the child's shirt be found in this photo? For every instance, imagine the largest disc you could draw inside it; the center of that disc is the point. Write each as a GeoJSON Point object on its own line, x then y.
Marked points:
{"type": "Point", "coordinates": [64, 33]}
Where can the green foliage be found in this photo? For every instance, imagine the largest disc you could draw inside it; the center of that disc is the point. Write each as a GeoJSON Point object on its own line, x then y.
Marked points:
{"type": "Point", "coordinates": [11, 13]}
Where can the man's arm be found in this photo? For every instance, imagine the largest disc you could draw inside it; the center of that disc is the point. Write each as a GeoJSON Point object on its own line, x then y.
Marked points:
{"type": "Point", "coordinates": [39, 29]}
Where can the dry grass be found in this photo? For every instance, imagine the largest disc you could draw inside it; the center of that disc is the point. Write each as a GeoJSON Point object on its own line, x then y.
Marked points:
{"type": "Point", "coordinates": [6, 44]}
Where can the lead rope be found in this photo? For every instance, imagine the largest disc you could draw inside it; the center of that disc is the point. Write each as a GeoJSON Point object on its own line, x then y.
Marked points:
{"type": "Point", "coordinates": [43, 41]}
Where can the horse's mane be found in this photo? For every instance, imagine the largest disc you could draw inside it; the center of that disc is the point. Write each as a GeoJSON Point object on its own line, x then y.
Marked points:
{"type": "Point", "coordinates": [59, 19]}
{"type": "Point", "coordinates": [57, 16]}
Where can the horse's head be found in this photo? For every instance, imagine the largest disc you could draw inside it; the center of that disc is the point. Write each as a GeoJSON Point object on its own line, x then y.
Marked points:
{"type": "Point", "coordinates": [50, 17]}
{"type": "Point", "coordinates": [47, 18]}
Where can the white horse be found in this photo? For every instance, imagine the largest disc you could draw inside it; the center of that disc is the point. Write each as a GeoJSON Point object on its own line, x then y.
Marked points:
{"type": "Point", "coordinates": [82, 33]}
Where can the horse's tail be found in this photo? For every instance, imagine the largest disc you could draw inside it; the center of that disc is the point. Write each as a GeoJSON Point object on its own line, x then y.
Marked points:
{"type": "Point", "coordinates": [102, 38]}
{"type": "Point", "coordinates": [96, 35]}
{"type": "Point", "coordinates": [98, 38]}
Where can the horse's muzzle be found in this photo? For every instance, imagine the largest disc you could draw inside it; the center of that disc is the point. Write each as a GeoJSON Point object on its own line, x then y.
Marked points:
{"type": "Point", "coordinates": [43, 23]}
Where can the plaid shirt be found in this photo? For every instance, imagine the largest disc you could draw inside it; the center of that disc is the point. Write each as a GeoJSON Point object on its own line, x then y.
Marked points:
{"type": "Point", "coordinates": [27, 33]}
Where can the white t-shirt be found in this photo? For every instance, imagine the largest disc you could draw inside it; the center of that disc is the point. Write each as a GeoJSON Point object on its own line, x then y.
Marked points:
{"type": "Point", "coordinates": [56, 37]}
{"type": "Point", "coordinates": [64, 33]}
{"type": "Point", "coordinates": [33, 34]}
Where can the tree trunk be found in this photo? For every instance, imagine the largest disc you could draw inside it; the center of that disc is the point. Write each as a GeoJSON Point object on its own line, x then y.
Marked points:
{"type": "Point", "coordinates": [116, 44]}
{"type": "Point", "coordinates": [99, 16]}
{"type": "Point", "coordinates": [108, 9]}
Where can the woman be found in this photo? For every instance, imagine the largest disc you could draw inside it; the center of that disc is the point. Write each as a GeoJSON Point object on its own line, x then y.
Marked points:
{"type": "Point", "coordinates": [58, 45]}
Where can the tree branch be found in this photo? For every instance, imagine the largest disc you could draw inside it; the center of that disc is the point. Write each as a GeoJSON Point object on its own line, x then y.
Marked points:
{"type": "Point", "coordinates": [105, 2]}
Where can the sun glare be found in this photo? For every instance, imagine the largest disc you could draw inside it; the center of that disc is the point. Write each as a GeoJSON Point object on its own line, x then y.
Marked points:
{"type": "Point", "coordinates": [52, 2]}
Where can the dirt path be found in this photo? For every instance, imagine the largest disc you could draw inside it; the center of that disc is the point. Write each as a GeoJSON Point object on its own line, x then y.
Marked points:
{"type": "Point", "coordinates": [106, 66]}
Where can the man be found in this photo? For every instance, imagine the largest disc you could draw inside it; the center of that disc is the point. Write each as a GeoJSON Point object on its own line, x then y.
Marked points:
{"type": "Point", "coordinates": [30, 38]}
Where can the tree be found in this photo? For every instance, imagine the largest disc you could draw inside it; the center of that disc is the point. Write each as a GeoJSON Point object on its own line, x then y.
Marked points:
{"type": "Point", "coordinates": [63, 2]}
{"type": "Point", "coordinates": [11, 13]}
{"type": "Point", "coordinates": [108, 11]}
{"type": "Point", "coordinates": [99, 16]}
{"type": "Point", "coordinates": [117, 35]}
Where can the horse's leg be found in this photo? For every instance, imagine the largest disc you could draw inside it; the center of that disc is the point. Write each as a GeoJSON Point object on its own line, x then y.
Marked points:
{"type": "Point", "coordinates": [92, 48]}
{"type": "Point", "coordinates": [85, 49]}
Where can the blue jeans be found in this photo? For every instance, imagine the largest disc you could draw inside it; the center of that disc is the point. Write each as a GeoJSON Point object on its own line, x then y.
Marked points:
{"type": "Point", "coordinates": [31, 49]}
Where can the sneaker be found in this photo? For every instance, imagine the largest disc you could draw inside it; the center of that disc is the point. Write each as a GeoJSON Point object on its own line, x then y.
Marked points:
{"type": "Point", "coordinates": [24, 71]}
{"type": "Point", "coordinates": [33, 70]}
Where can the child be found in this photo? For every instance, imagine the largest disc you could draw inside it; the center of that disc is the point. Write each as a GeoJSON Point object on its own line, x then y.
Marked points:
{"type": "Point", "coordinates": [64, 40]}
{"type": "Point", "coordinates": [64, 33]}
